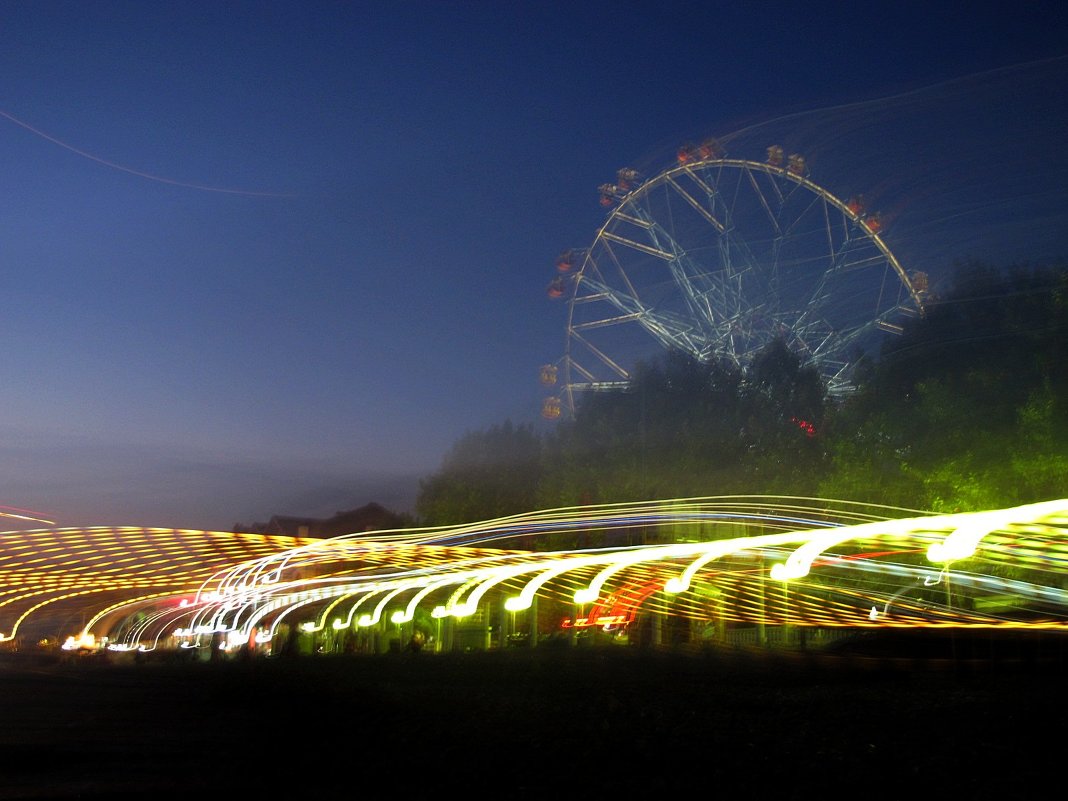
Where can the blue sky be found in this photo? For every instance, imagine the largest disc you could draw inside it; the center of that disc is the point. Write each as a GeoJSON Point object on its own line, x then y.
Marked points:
{"type": "Point", "coordinates": [275, 258]}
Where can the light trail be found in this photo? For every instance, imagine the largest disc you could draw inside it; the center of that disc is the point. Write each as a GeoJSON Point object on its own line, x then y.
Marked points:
{"type": "Point", "coordinates": [139, 173]}
{"type": "Point", "coordinates": [726, 562]}
{"type": "Point", "coordinates": [14, 513]}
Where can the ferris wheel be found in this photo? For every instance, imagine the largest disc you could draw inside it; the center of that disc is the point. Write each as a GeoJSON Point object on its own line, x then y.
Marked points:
{"type": "Point", "coordinates": [718, 257]}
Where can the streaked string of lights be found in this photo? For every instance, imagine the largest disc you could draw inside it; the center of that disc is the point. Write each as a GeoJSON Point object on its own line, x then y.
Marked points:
{"type": "Point", "coordinates": [30, 516]}
{"type": "Point", "coordinates": [720, 562]}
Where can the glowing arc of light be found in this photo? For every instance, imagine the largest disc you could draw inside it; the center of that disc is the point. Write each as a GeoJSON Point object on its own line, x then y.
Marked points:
{"type": "Point", "coordinates": [131, 171]}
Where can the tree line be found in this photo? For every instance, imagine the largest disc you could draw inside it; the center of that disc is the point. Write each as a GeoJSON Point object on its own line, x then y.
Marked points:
{"type": "Point", "coordinates": [967, 409]}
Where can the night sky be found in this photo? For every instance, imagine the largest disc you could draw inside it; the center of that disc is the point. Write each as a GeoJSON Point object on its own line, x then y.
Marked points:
{"type": "Point", "coordinates": [275, 258]}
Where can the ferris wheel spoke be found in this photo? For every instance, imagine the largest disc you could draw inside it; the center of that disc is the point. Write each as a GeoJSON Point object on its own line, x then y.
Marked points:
{"type": "Point", "coordinates": [637, 221]}
{"type": "Point", "coordinates": [772, 217]}
{"type": "Point", "coordinates": [607, 321]}
{"type": "Point", "coordinates": [843, 259]}
{"type": "Point", "coordinates": [684, 273]}
{"type": "Point", "coordinates": [626, 303]}
{"type": "Point", "coordinates": [695, 204]}
{"type": "Point", "coordinates": [738, 259]}
{"type": "Point", "coordinates": [600, 354]}
{"type": "Point", "coordinates": [582, 371]}
{"type": "Point", "coordinates": [814, 204]}
{"type": "Point", "coordinates": [630, 243]}
{"type": "Point", "coordinates": [669, 329]}
{"type": "Point", "coordinates": [697, 283]}
{"type": "Point", "coordinates": [838, 343]}
{"type": "Point", "coordinates": [628, 286]}
{"type": "Point", "coordinates": [824, 295]}
{"type": "Point", "coordinates": [718, 257]}
{"type": "Point", "coordinates": [694, 297]}
{"type": "Point", "coordinates": [713, 196]}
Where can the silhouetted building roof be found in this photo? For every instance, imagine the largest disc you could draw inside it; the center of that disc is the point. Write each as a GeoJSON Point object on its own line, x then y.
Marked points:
{"type": "Point", "coordinates": [371, 517]}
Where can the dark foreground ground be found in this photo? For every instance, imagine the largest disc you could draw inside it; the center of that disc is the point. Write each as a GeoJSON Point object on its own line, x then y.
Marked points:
{"type": "Point", "coordinates": [978, 718]}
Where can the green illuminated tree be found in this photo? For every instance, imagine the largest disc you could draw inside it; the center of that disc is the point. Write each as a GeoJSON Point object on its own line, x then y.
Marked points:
{"type": "Point", "coordinates": [966, 410]}
{"type": "Point", "coordinates": [782, 402]}
{"type": "Point", "coordinates": [486, 474]}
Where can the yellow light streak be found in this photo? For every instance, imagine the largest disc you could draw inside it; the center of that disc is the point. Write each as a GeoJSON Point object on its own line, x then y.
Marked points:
{"type": "Point", "coordinates": [841, 560]}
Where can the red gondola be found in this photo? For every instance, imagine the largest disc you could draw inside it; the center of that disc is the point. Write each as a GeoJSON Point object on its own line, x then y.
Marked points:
{"type": "Point", "coordinates": [711, 149]}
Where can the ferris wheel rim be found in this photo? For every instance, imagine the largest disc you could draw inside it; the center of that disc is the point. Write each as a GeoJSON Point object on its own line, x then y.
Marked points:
{"type": "Point", "coordinates": [668, 175]}
{"type": "Point", "coordinates": [768, 169]}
